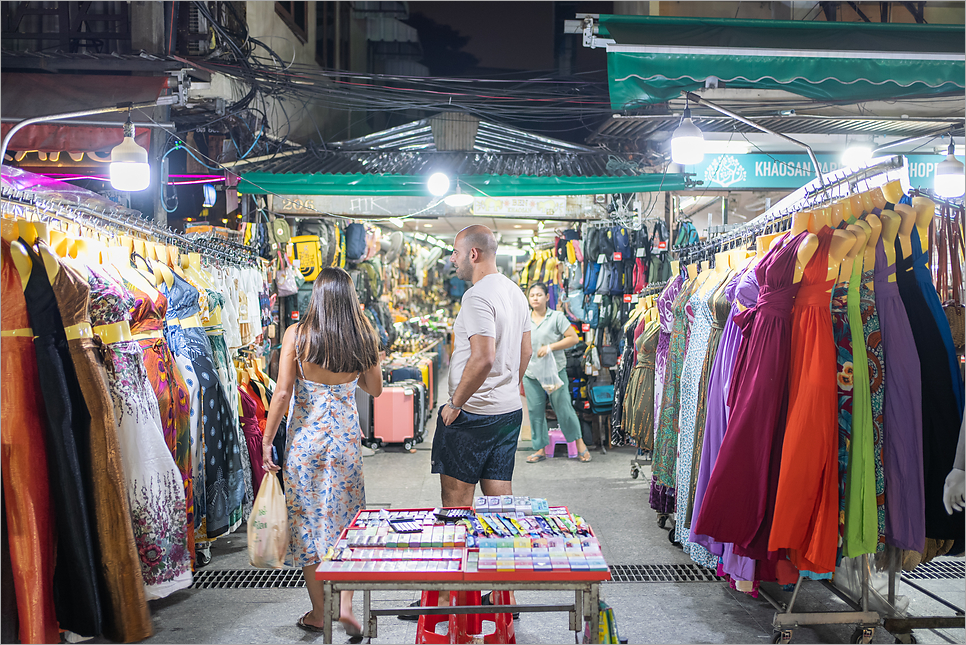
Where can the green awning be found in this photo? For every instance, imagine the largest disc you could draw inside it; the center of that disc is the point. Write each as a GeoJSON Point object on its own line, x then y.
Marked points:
{"type": "Point", "coordinates": [656, 58]}
{"type": "Point", "coordinates": [362, 185]}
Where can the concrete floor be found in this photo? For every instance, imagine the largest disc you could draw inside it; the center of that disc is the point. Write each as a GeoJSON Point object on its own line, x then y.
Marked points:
{"type": "Point", "coordinates": [608, 498]}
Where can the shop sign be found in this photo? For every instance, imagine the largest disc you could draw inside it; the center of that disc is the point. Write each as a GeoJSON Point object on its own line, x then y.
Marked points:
{"type": "Point", "coordinates": [785, 171]}
{"type": "Point", "coordinates": [520, 206]}
{"type": "Point", "coordinates": [379, 206]}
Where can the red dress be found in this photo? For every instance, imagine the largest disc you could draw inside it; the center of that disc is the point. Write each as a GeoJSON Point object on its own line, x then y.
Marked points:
{"type": "Point", "coordinates": [26, 487]}
{"type": "Point", "coordinates": [807, 503]}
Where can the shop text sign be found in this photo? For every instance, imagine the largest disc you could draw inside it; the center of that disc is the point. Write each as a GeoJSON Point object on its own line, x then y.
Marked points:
{"type": "Point", "coordinates": [782, 171]}
{"type": "Point", "coordinates": [519, 206]}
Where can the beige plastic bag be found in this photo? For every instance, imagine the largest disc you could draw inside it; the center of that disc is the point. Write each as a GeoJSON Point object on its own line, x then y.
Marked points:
{"type": "Point", "coordinates": [268, 526]}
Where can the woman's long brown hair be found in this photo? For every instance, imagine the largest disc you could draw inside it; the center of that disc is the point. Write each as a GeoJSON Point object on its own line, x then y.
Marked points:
{"type": "Point", "coordinates": [334, 334]}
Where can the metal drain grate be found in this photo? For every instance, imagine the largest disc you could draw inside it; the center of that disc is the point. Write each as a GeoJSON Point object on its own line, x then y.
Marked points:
{"type": "Point", "coordinates": [938, 570]}
{"type": "Point", "coordinates": [249, 579]}
{"type": "Point", "coordinates": [662, 573]}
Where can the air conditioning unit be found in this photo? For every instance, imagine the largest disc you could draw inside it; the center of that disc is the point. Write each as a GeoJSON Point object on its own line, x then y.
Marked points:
{"type": "Point", "coordinates": [197, 26]}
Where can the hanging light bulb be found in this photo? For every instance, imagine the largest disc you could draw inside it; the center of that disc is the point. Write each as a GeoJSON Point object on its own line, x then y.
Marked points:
{"type": "Point", "coordinates": [687, 142]}
{"type": "Point", "coordinates": [950, 180]}
{"type": "Point", "coordinates": [438, 184]}
{"type": "Point", "coordinates": [129, 163]}
{"type": "Point", "coordinates": [459, 199]}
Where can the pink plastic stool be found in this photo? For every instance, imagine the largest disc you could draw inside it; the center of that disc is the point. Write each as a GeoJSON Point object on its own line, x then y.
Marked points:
{"type": "Point", "coordinates": [556, 436]}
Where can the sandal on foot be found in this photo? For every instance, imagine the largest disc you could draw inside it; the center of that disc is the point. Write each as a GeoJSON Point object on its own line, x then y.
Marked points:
{"type": "Point", "coordinates": [304, 625]}
{"type": "Point", "coordinates": [351, 630]}
{"type": "Point", "coordinates": [533, 459]}
{"type": "Point", "coordinates": [585, 456]}
{"type": "Point", "coordinates": [486, 599]}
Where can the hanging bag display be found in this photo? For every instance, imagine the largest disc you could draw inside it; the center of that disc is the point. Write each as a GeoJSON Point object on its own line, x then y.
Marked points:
{"type": "Point", "coordinates": [288, 279]}
{"type": "Point", "coordinates": [268, 526]}
{"type": "Point", "coordinates": [950, 278]}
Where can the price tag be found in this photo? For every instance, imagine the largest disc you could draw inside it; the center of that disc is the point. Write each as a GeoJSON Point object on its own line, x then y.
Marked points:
{"type": "Point", "coordinates": [599, 298]}
{"type": "Point", "coordinates": [586, 405]}
{"type": "Point", "coordinates": [617, 256]}
{"type": "Point", "coordinates": [295, 315]}
{"type": "Point", "coordinates": [627, 297]}
{"type": "Point", "coordinates": [635, 298]}
{"type": "Point", "coordinates": [640, 252]}
{"type": "Point", "coordinates": [662, 246]}
{"type": "Point", "coordinates": [601, 258]}
{"type": "Point", "coordinates": [585, 327]}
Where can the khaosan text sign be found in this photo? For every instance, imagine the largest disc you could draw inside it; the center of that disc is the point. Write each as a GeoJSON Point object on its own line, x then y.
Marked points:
{"type": "Point", "coordinates": [784, 171]}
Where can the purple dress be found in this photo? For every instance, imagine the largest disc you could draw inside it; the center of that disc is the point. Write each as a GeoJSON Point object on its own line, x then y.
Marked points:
{"type": "Point", "coordinates": [902, 415]}
{"type": "Point", "coordinates": [662, 497]}
{"type": "Point", "coordinates": [742, 289]}
{"type": "Point", "coordinates": [736, 500]}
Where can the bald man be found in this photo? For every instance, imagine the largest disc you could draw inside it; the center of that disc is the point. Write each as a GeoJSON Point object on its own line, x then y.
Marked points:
{"type": "Point", "coordinates": [478, 428]}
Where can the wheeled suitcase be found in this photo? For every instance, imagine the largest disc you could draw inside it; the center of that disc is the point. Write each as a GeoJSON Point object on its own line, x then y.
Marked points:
{"type": "Point", "coordinates": [420, 410]}
{"type": "Point", "coordinates": [364, 404]}
{"type": "Point", "coordinates": [426, 368]}
{"type": "Point", "coordinates": [392, 415]}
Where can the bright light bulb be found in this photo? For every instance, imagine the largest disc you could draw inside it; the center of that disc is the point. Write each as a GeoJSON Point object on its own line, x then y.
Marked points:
{"type": "Point", "coordinates": [129, 169]}
{"type": "Point", "coordinates": [458, 200]}
{"type": "Point", "coordinates": [438, 184]}
{"type": "Point", "coordinates": [687, 142]}
{"type": "Point", "coordinates": [950, 180]}
{"type": "Point", "coordinates": [856, 155]}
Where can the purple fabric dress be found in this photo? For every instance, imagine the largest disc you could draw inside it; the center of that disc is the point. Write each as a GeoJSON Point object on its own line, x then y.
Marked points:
{"type": "Point", "coordinates": [736, 500]}
{"type": "Point", "coordinates": [743, 289]}
{"type": "Point", "coordinates": [902, 415]}
{"type": "Point", "coordinates": [662, 497]}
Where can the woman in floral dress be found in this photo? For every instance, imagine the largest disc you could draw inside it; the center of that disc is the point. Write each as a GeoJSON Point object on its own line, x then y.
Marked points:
{"type": "Point", "coordinates": [322, 359]}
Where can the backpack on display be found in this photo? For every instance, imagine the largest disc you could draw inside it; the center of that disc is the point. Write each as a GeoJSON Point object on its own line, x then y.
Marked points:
{"type": "Point", "coordinates": [590, 280]}
{"type": "Point", "coordinates": [591, 244]}
{"type": "Point", "coordinates": [601, 399]}
{"type": "Point", "coordinates": [355, 242]}
{"type": "Point", "coordinates": [607, 247]}
{"type": "Point", "coordinates": [603, 279]}
{"type": "Point", "coordinates": [616, 283]}
{"type": "Point", "coordinates": [622, 241]}
{"type": "Point", "coordinates": [591, 311]}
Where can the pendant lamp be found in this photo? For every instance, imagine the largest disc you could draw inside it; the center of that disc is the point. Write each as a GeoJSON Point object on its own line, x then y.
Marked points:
{"type": "Point", "coordinates": [129, 169]}
{"type": "Point", "coordinates": [687, 142]}
{"type": "Point", "coordinates": [950, 180]}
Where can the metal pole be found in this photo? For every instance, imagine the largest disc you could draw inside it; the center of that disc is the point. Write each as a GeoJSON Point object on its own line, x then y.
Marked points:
{"type": "Point", "coordinates": [694, 98]}
{"type": "Point", "coordinates": [107, 124]}
{"type": "Point", "coordinates": [69, 115]}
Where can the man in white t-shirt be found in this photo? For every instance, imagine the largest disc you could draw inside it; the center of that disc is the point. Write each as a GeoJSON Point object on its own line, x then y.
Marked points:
{"type": "Point", "coordinates": [478, 428]}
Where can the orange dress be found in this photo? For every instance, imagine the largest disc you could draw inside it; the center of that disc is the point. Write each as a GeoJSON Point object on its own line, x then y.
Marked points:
{"type": "Point", "coordinates": [26, 487]}
{"type": "Point", "coordinates": [807, 502]}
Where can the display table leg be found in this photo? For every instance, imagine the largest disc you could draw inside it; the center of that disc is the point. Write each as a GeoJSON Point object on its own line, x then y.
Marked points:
{"type": "Point", "coordinates": [327, 596]}
{"type": "Point", "coordinates": [368, 620]}
{"type": "Point", "coordinates": [594, 610]}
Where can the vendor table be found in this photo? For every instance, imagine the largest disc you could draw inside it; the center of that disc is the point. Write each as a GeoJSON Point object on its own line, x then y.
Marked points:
{"type": "Point", "coordinates": [372, 556]}
{"type": "Point", "coordinates": [584, 607]}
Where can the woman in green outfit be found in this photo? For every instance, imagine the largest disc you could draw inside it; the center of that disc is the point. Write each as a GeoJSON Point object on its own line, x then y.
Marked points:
{"type": "Point", "coordinates": [551, 332]}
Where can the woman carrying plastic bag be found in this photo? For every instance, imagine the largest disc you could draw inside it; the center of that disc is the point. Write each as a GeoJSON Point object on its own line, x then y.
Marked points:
{"type": "Point", "coordinates": [268, 526]}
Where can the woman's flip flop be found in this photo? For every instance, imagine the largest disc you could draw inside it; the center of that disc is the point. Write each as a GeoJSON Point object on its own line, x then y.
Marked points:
{"type": "Point", "coordinates": [584, 456]}
{"type": "Point", "coordinates": [532, 459]}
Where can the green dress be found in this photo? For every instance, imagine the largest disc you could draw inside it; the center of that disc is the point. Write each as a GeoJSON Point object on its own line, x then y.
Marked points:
{"type": "Point", "coordinates": [861, 515]}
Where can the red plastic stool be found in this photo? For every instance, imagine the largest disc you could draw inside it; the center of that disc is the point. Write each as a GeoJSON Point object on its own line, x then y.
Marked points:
{"type": "Point", "coordinates": [463, 626]}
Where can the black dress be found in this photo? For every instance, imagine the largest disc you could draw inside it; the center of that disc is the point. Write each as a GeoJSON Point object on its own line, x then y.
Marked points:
{"type": "Point", "coordinates": [77, 597]}
{"type": "Point", "coordinates": [940, 413]}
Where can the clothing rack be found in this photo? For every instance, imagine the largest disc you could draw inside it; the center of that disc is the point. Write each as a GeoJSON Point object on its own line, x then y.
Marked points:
{"type": "Point", "coordinates": [651, 289]}
{"type": "Point", "coordinates": [778, 218]}
{"type": "Point", "coordinates": [124, 221]}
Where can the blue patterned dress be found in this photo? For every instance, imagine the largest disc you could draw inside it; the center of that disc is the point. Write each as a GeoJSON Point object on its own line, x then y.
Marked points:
{"type": "Point", "coordinates": [324, 487]}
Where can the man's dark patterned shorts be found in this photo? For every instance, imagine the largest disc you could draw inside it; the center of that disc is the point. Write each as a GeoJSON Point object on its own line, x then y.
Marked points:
{"type": "Point", "coordinates": [477, 446]}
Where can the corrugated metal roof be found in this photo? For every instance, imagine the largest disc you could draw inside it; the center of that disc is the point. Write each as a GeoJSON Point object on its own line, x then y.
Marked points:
{"type": "Point", "coordinates": [643, 126]}
{"type": "Point", "coordinates": [422, 162]}
{"type": "Point", "coordinates": [490, 137]}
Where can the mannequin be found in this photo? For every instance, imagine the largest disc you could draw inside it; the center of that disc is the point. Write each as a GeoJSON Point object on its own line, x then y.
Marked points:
{"type": "Point", "coordinates": [806, 250]}
{"type": "Point", "coordinates": [907, 227]}
{"type": "Point", "coordinates": [867, 203]}
{"type": "Point", "coordinates": [800, 221]}
{"type": "Point", "coordinates": [925, 210]}
{"type": "Point", "coordinates": [890, 229]}
{"type": "Point", "coordinates": [195, 272]}
{"type": "Point", "coordinates": [675, 268]}
{"type": "Point", "coordinates": [848, 262]}
{"type": "Point", "coordinates": [855, 204]}
{"type": "Point", "coordinates": [841, 211]}
{"type": "Point", "coordinates": [693, 270]}
{"type": "Point", "coordinates": [892, 191]}
{"type": "Point", "coordinates": [842, 242]}
{"type": "Point", "coordinates": [878, 199]}
{"type": "Point", "coordinates": [873, 229]}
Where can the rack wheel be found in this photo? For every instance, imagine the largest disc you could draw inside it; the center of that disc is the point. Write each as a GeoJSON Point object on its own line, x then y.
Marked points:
{"type": "Point", "coordinates": [662, 521]}
{"type": "Point", "coordinates": [906, 639]}
{"type": "Point", "coordinates": [862, 635]}
{"type": "Point", "coordinates": [783, 636]}
{"type": "Point", "coordinates": [635, 471]}
{"type": "Point", "coordinates": [374, 443]}
{"type": "Point", "coordinates": [408, 444]}
{"type": "Point", "coordinates": [670, 537]}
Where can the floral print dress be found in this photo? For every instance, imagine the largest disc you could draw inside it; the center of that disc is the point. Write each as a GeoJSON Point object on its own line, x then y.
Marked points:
{"type": "Point", "coordinates": [324, 487]}
{"type": "Point", "coordinates": [154, 487]}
